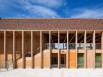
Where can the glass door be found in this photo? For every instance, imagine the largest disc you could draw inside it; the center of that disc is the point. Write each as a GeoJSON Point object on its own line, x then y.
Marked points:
{"type": "Point", "coordinates": [63, 60]}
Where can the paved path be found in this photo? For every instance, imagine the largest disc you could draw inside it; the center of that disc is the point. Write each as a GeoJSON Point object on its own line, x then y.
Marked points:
{"type": "Point", "coordinates": [52, 73]}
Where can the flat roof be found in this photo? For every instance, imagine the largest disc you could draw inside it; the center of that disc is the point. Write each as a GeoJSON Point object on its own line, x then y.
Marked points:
{"type": "Point", "coordinates": [51, 24]}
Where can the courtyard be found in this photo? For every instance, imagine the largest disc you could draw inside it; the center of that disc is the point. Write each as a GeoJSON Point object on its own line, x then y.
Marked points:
{"type": "Point", "coordinates": [54, 72]}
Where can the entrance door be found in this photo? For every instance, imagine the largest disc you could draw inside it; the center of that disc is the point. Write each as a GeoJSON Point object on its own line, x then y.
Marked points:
{"type": "Point", "coordinates": [54, 60]}
{"type": "Point", "coordinates": [63, 60]}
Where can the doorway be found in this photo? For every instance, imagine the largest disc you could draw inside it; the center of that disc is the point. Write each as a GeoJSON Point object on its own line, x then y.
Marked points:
{"type": "Point", "coordinates": [63, 60]}
{"type": "Point", "coordinates": [54, 60]}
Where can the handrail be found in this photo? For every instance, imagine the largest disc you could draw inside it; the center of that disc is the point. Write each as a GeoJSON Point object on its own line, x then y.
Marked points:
{"type": "Point", "coordinates": [79, 45]}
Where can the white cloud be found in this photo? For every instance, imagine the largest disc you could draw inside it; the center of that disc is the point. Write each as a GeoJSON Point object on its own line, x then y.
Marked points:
{"type": "Point", "coordinates": [32, 8]}
{"type": "Point", "coordinates": [38, 10]}
{"type": "Point", "coordinates": [44, 12]}
{"type": "Point", "coordinates": [87, 13]}
{"type": "Point", "coordinates": [49, 3]}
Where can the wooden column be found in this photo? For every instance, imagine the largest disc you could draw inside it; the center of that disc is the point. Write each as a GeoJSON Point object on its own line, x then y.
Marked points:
{"type": "Point", "coordinates": [102, 48]}
{"type": "Point", "coordinates": [94, 49]}
{"type": "Point", "coordinates": [50, 46]}
{"type": "Point", "coordinates": [67, 56]}
{"type": "Point", "coordinates": [58, 51]}
{"type": "Point", "coordinates": [76, 50]}
{"type": "Point", "coordinates": [41, 52]}
{"type": "Point", "coordinates": [32, 58]}
{"type": "Point", "coordinates": [23, 52]}
{"type": "Point", "coordinates": [85, 53]}
{"type": "Point", "coordinates": [14, 54]}
{"type": "Point", "coordinates": [5, 52]}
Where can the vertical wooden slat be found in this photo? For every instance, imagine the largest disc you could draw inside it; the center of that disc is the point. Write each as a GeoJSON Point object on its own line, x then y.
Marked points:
{"type": "Point", "coordinates": [76, 50]}
{"type": "Point", "coordinates": [50, 47]}
{"type": "Point", "coordinates": [23, 54]}
{"type": "Point", "coordinates": [5, 52]}
{"type": "Point", "coordinates": [85, 53]}
{"type": "Point", "coordinates": [14, 54]}
{"type": "Point", "coordinates": [32, 59]}
{"type": "Point", "coordinates": [58, 50]}
{"type": "Point", "coordinates": [67, 56]}
{"type": "Point", "coordinates": [102, 48]}
{"type": "Point", "coordinates": [41, 52]}
{"type": "Point", "coordinates": [94, 49]}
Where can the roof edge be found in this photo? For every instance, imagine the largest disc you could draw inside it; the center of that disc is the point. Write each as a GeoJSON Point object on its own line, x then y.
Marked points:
{"type": "Point", "coordinates": [51, 18]}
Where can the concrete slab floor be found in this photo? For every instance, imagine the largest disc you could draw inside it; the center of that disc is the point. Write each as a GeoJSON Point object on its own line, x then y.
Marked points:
{"type": "Point", "coordinates": [51, 73]}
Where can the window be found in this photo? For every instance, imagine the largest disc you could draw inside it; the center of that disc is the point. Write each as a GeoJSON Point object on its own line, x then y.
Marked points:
{"type": "Point", "coordinates": [98, 60]}
{"type": "Point", "coordinates": [80, 60]}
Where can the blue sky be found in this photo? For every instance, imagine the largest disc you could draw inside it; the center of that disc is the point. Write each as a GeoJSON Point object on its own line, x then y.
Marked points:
{"type": "Point", "coordinates": [51, 8]}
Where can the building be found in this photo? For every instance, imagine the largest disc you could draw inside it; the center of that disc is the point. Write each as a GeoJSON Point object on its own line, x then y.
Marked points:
{"type": "Point", "coordinates": [51, 43]}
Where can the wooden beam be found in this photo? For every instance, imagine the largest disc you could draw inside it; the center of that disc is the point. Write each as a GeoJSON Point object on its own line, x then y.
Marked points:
{"type": "Point", "coordinates": [76, 49]}
{"type": "Point", "coordinates": [88, 37]}
{"type": "Point", "coordinates": [5, 51]}
{"type": "Point", "coordinates": [50, 47]}
{"type": "Point", "coordinates": [32, 57]}
{"type": "Point", "coordinates": [14, 53]}
{"type": "Point", "coordinates": [80, 37]}
{"type": "Point", "coordinates": [94, 49]}
{"type": "Point", "coordinates": [58, 51]}
{"type": "Point", "coordinates": [85, 53]}
{"type": "Point", "coordinates": [102, 47]}
{"type": "Point", "coordinates": [41, 52]}
{"type": "Point", "coordinates": [67, 56]}
{"type": "Point", "coordinates": [72, 38]}
{"type": "Point", "coordinates": [23, 53]}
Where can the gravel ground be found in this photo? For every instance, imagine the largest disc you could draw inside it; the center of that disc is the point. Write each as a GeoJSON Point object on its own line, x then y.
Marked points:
{"type": "Point", "coordinates": [51, 73]}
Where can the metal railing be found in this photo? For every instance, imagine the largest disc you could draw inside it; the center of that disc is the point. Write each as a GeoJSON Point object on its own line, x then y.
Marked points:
{"type": "Point", "coordinates": [89, 45]}
{"type": "Point", "coordinates": [60, 46]}
{"type": "Point", "coordinates": [72, 46]}
{"type": "Point", "coordinates": [80, 45]}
